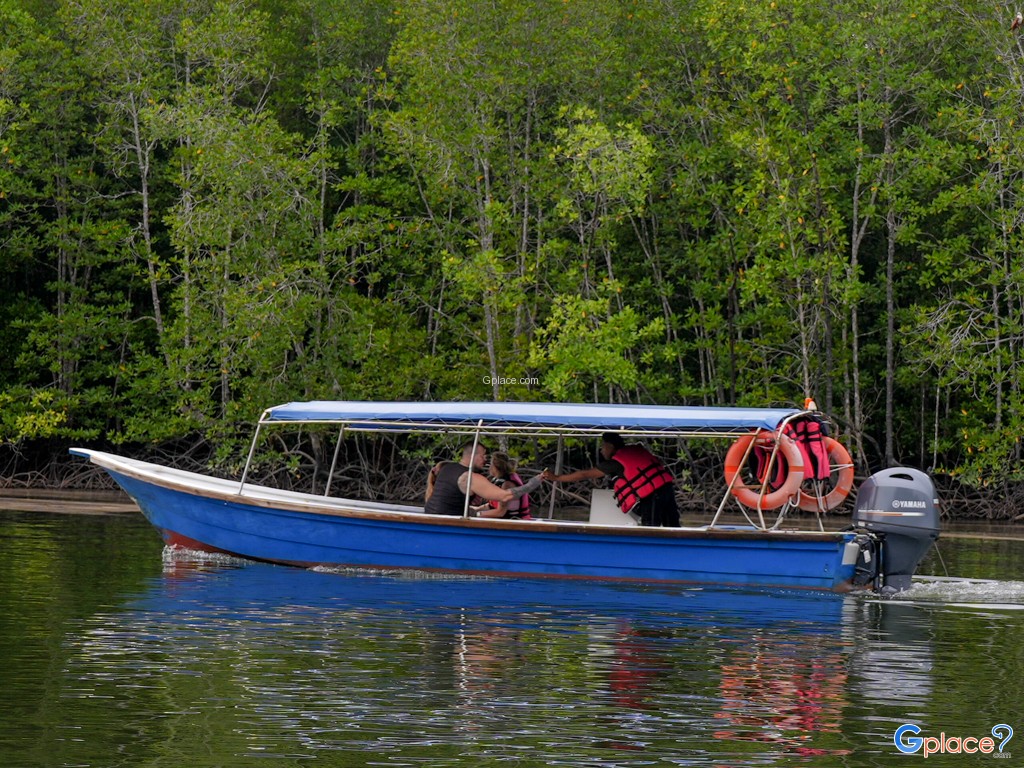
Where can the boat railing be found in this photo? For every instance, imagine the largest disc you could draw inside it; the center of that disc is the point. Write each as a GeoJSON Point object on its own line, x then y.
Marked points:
{"type": "Point", "coordinates": [773, 458]}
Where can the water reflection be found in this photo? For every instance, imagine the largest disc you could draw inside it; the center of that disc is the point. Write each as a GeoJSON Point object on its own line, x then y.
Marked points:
{"type": "Point", "coordinates": [639, 657]}
{"type": "Point", "coordinates": [220, 662]}
{"type": "Point", "coordinates": [894, 659]}
{"type": "Point", "coordinates": [447, 668]}
{"type": "Point", "coordinates": [782, 694]}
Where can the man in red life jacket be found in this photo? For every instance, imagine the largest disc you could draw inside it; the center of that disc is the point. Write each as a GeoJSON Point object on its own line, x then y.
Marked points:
{"type": "Point", "coordinates": [643, 485]}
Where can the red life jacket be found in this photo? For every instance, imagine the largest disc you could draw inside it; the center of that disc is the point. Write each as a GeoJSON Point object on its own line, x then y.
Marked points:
{"type": "Point", "coordinates": [643, 474]}
{"type": "Point", "coordinates": [809, 437]}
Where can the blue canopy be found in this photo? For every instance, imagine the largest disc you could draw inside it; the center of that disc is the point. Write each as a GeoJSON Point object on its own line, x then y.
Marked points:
{"type": "Point", "coordinates": [499, 417]}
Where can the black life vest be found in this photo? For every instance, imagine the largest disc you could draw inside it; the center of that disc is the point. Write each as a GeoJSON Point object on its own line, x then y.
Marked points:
{"type": "Point", "coordinates": [643, 474]}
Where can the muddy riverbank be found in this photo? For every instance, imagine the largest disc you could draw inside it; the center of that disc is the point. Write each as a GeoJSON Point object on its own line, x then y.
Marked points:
{"type": "Point", "coordinates": [67, 501]}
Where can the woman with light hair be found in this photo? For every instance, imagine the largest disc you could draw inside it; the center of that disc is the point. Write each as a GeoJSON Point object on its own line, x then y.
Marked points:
{"type": "Point", "coordinates": [503, 475]}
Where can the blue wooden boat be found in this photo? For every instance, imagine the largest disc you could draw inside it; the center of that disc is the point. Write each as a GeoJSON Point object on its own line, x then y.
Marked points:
{"type": "Point", "coordinates": [894, 523]}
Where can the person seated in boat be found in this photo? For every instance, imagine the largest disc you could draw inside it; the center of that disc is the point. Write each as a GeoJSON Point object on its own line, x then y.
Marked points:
{"type": "Point", "coordinates": [448, 481]}
{"type": "Point", "coordinates": [642, 483]}
{"type": "Point", "coordinates": [503, 475]}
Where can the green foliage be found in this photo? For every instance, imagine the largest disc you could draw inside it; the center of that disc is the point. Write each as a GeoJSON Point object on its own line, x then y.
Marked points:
{"type": "Point", "coordinates": [587, 353]}
{"type": "Point", "coordinates": [38, 414]}
{"type": "Point", "coordinates": [210, 207]}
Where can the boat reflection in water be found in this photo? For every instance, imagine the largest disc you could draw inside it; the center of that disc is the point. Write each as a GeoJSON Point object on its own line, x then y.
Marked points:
{"type": "Point", "coordinates": [282, 661]}
{"type": "Point", "coordinates": [589, 666]}
{"type": "Point", "coordinates": [894, 661]}
{"type": "Point", "coordinates": [783, 695]}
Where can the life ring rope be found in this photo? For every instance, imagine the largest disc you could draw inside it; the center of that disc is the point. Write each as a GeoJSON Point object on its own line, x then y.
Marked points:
{"type": "Point", "coordinates": [762, 498]}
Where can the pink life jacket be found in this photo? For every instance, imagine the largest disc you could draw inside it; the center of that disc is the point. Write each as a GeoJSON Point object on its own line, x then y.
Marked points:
{"type": "Point", "coordinates": [523, 510]}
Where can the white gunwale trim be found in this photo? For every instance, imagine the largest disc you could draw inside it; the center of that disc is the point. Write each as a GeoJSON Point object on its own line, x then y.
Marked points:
{"type": "Point", "coordinates": [195, 484]}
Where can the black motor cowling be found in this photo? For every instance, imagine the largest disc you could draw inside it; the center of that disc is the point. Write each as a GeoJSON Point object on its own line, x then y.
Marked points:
{"type": "Point", "coordinates": [900, 506]}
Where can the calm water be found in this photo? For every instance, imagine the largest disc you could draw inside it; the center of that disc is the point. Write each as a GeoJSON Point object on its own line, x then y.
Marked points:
{"type": "Point", "coordinates": [115, 654]}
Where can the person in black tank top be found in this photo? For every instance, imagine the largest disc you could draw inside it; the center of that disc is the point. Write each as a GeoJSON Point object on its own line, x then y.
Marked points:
{"type": "Point", "coordinates": [446, 486]}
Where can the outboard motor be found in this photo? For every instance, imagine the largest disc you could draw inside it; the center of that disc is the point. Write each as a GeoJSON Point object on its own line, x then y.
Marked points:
{"type": "Point", "coordinates": [900, 506]}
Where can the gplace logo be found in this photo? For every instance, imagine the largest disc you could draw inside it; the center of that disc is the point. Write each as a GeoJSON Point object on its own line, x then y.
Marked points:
{"type": "Point", "coordinates": [951, 745]}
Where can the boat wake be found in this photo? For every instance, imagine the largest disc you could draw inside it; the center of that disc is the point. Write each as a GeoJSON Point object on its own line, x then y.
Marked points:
{"type": "Point", "coordinates": [953, 592]}
{"type": "Point", "coordinates": [411, 574]}
{"type": "Point", "coordinates": [175, 555]}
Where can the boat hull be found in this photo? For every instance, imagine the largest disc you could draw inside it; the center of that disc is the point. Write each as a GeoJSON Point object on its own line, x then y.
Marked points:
{"type": "Point", "coordinates": [300, 529]}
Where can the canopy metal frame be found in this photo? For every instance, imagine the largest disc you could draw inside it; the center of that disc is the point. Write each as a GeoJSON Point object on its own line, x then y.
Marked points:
{"type": "Point", "coordinates": [547, 427]}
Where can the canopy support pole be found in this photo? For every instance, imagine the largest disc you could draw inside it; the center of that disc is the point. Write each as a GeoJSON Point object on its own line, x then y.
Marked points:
{"type": "Point", "coordinates": [558, 471]}
{"type": "Point", "coordinates": [334, 461]}
{"type": "Point", "coordinates": [248, 460]}
{"type": "Point", "coordinates": [472, 461]}
{"type": "Point", "coordinates": [728, 490]}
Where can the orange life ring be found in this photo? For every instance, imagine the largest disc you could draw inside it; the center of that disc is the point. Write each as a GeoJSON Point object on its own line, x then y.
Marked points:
{"type": "Point", "coordinates": [842, 469]}
{"type": "Point", "coordinates": [758, 499]}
